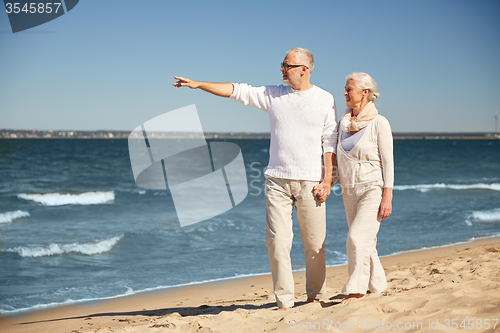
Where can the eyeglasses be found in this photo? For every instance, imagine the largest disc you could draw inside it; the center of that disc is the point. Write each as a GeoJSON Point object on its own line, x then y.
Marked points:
{"type": "Point", "coordinates": [287, 66]}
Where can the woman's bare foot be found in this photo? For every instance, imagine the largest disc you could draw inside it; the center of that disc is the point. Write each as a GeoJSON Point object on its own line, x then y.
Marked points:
{"type": "Point", "coordinates": [284, 309]}
{"type": "Point", "coordinates": [352, 298]}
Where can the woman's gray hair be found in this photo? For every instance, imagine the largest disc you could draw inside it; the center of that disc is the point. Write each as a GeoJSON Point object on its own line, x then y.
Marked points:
{"type": "Point", "coordinates": [365, 81]}
{"type": "Point", "coordinates": [305, 56]}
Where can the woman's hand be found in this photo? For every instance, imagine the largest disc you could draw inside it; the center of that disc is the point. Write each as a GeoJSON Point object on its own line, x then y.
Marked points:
{"type": "Point", "coordinates": [385, 208]}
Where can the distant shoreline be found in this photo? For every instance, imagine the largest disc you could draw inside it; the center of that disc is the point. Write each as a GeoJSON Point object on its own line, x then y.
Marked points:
{"type": "Point", "coordinates": [61, 134]}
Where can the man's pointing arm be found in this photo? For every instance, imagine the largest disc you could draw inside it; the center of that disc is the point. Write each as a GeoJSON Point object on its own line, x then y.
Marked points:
{"type": "Point", "coordinates": [218, 89]}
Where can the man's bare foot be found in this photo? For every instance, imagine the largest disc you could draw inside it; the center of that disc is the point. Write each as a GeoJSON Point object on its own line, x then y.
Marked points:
{"type": "Point", "coordinates": [352, 298]}
{"type": "Point", "coordinates": [284, 309]}
{"type": "Point", "coordinates": [311, 300]}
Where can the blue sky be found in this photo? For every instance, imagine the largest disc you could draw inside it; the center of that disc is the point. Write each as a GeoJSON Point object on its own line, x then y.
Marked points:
{"type": "Point", "coordinates": [110, 64]}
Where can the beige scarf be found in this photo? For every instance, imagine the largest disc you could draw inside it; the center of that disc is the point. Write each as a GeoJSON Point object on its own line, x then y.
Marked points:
{"type": "Point", "coordinates": [368, 113]}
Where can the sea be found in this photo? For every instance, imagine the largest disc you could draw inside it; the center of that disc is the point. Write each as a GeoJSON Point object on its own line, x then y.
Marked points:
{"type": "Point", "coordinates": [75, 227]}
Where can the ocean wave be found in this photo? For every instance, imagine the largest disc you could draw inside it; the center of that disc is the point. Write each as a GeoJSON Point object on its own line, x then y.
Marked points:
{"type": "Point", "coordinates": [486, 215]}
{"type": "Point", "coordinates": [58, 199]}
{"type": "Point", "coordinates": [11, 216]}
{"type": "Point", "coordinates": [91, 248]}
{"type": "Point", "coordinates": [428, 187]}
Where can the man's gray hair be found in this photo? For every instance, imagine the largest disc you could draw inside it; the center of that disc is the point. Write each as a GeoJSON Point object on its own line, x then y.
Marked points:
{"type": "Point", "coordinates": [304, 56]}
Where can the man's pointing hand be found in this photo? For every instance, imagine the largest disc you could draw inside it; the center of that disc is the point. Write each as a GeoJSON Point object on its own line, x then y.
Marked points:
{"type": "Point", "coordinates": [183, 82]}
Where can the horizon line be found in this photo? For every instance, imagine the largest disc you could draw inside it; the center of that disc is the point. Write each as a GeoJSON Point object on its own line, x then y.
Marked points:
{"type": "Point", "coordinates": [228, 132]}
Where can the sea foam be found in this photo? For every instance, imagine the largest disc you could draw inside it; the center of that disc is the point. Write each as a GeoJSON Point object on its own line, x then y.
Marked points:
{"type": "Point", "coordinates": [58, 199]}
{"type": "Point", "coordinates": [428, 187]}
{"type": "Point", "coordinates": [486, 215]}
{"type": "Point", "coordinates": [8, 217]}
{"type": "Point", "coordinates": [91, 248]}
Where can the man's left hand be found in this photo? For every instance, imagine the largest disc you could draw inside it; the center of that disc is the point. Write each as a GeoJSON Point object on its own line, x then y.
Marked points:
{"type": "Point", "coordinates": [322, 191]}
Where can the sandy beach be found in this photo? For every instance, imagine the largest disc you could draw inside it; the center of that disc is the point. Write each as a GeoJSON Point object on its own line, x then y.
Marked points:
{"type": "Point", "coordinates": [454, 288]}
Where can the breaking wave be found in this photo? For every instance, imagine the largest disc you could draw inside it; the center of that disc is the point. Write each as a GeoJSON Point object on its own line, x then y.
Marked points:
{"type": "Point", "coordinates": [429, 187]}
{"type": "Point", "coordinates": [486, 215]}
{"type": "Point", "coordinates": [57, 199]}
{"type": "Point", "coordinates": [91, 248]}
{"type": "Point", "coordinates": [11, 216]}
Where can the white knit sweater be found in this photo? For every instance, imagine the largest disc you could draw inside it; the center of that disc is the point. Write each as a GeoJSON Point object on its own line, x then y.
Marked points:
{"type": "Point", "coordinates": [302, 122]}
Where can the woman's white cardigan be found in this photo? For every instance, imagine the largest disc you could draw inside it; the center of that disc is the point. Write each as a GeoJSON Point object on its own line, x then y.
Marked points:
{"type": "Point", "coordinates": [371, 159]}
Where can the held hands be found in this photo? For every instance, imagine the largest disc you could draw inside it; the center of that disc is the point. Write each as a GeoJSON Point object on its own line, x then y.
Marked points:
{"type": "Point", "coordinates": [184, 82]}
{"type": "Point", "coordinates": [322, 190]}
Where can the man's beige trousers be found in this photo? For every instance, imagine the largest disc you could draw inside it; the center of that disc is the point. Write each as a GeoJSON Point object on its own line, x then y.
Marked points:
{"type": "Point", "coordinates": [281, 196]}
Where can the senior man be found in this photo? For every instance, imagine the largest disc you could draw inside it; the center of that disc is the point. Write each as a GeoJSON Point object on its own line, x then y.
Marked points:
{"type": "Point", "coordinates": [303, 119]}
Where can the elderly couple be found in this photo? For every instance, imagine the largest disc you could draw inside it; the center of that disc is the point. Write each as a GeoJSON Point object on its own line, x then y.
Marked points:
{"type": "Point", "coordinates": [303, 128]}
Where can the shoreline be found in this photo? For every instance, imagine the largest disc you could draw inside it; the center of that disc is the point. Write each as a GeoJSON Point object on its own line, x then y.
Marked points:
{"type": "Point", "coordinates": [42, 307]}
{"type": "Point", "coordinates": [215, 304]}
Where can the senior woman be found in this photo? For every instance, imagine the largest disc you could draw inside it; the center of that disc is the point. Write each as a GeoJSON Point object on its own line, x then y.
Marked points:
{"type": "Point", "coordinates": [366, 172]}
